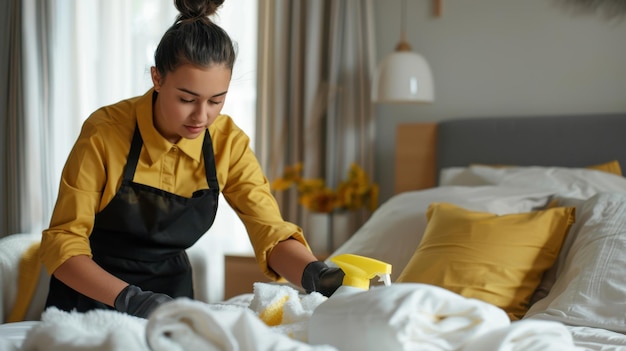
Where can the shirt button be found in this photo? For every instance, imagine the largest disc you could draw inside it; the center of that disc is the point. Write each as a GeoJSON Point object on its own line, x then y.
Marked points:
{"type": "Point", "coordinates": [174, 148]}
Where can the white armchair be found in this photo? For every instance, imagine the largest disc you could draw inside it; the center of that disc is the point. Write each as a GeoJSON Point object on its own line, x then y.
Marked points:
{"type": "Point", "coordinates": [207, 261]}
{"type": "Point", "coordinates": [12, 248]}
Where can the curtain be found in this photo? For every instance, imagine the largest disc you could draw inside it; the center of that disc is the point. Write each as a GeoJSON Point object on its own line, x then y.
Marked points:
{"type": "Point", "coordinates": [315, 63]}
{"type": "Point", "coordinates": [9, 17]}
{"type": "Point", "coordinates": [26, 195]}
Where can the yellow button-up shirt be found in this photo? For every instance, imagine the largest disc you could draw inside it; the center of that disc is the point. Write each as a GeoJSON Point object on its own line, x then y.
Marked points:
{"type": "Point", "coordinates": [93, 174]}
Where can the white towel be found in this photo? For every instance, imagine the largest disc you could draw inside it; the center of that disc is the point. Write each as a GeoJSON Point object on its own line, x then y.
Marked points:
{"type": "Point", "coordinates": [185, 324]}
{"type": "Point", "coordinates": [403, 316]}
{"type": "Point", "coordinates": [525, 335]}
{"type": "Point", "coordinates": [96, 330]}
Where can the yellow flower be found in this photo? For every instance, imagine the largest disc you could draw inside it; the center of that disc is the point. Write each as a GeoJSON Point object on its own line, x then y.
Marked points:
{"type": "Point", "coordinates": [281, 184]}
{"type": "Point", "coordinates": [307, 186]}
{"type": "Point", "coordinates": [291, 175]}
{"type": "Point", "coordinates": [355, 192]}
{"type": "Point", "coordinates": [322, 200]}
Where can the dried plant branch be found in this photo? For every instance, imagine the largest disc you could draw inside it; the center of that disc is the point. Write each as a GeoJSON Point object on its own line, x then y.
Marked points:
{"type": "Point", "coordinates": [610, 9]}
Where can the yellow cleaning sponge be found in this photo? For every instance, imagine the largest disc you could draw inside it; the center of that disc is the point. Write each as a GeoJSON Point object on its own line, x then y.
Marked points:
{"type": "Point", "coordinates": [272, 315]}
{"type": "Point", "coordinates": [269, 301]}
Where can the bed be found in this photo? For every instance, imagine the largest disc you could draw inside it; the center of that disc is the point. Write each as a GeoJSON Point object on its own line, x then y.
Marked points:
{"type": "Point", "coordinates": [520, 164]}
{"type": "Point", "coordinates": [504, 234]}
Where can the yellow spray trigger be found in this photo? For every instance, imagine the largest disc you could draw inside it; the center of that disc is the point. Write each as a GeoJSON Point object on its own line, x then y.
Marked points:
{"type": "Point", "coordinates": [359, 270]}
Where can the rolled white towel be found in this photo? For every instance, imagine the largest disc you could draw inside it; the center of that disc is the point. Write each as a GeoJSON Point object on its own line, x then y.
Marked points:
{"type": "Point", "coordinates": [185, 324]}
{"type": "Point", "coordinates": [525, 335]}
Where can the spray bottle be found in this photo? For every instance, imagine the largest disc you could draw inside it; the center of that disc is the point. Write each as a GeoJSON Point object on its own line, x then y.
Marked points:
{"type": "Point", "coordinates": [359, 271]}
{"type": "Point", "coordinates": [324, 325]}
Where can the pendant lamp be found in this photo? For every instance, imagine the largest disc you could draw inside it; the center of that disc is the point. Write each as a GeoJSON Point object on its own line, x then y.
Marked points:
{"type": "Point", "coordinates": [403, 76]}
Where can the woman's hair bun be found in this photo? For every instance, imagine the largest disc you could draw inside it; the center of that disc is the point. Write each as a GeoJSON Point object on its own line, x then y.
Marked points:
{"type": "Point", "coordinates": [197, 8]}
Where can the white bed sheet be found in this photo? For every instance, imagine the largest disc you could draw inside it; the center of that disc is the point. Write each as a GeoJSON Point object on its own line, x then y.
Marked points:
{"type": "Point", "coordinates": [596, 339]}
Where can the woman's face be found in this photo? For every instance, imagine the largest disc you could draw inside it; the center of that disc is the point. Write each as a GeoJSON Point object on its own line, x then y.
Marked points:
{"type": "Point", "coordinates": [189, 100]}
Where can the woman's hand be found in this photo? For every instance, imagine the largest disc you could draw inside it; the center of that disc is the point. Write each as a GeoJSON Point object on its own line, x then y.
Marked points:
{"type": "Point", "coordinates": [319, 277]}
{"type": "Point", "coordinates": [139, 303]}
{"type": "Point", "coordinates": [292, 260]}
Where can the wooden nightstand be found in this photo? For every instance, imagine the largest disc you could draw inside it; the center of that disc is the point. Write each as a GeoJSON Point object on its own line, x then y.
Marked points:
{"type": "Point", "coordinates": [240, 273]}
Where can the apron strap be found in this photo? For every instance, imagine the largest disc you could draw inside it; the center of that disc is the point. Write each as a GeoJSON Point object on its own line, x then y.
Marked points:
{"type": "Point", "coordinates": [209, 162]}
{"type": "Point", "coordinates": [133, 155]}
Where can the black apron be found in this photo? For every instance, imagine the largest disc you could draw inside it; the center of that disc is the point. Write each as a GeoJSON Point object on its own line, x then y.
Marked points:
{"type": "Point", "coordinates": [141, 235]}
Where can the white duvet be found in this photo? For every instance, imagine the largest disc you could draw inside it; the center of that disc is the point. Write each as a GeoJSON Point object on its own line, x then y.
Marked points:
{"type": "Point", "coordinates": [401, 317]}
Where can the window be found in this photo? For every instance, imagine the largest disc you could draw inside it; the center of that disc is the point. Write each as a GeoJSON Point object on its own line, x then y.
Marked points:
{"type": "Point", "coordinates": [102, 52]}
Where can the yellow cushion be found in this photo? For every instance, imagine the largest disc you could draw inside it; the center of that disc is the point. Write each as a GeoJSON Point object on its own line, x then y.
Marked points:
{"type": "Point", "coordinates": [27, 279]}
{"type": "Point", "coordinates": [498, 259]}
{"type": "Point", "coordinates": [609, 167]}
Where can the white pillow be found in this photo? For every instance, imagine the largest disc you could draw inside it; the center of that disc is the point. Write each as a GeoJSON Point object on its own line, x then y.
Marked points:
{"type": "Point", "coordinates": [590, 288]}
{"type": "Point", "coordinates": [395, 229]}
{"type": "Point", "coordinates": [462, 176]}
{"type": "Point", "coordinates": [549, 276]}
{"type": "Point", "coordinates": [579, 183]}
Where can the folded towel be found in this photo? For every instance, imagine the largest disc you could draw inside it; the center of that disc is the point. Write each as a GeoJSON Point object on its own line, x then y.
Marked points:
{"type": "Point", "coordinates": [96, 330]}
{"type": "Point", "coordinates": [403, 316]}
{"type": "Point", "coordinates": [525, 335]}
{"type": "Point", "coordinates": [284, 309]}
{"type": "Point", "coordinates": [185, 324]}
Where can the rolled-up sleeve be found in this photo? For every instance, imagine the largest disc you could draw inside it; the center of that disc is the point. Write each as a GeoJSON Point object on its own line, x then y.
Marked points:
{"type": "Point", "coordinates": [80, 194]}
{"type": "Point", "coordinates": [247, 191]}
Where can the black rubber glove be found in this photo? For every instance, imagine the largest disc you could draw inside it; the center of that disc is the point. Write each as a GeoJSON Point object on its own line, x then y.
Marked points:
{"type": "Point", "coordinates": [139, 303]}
{"type": "Point", "coordinates": [319, 277]}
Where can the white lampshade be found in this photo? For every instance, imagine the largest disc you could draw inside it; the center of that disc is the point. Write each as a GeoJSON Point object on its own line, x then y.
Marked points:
{"type": "Point", "coordinates": [403, 77]}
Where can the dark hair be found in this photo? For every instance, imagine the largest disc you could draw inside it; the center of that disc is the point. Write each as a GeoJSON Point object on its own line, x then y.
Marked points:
{"type": "Point", "coordinates": [194, 38]}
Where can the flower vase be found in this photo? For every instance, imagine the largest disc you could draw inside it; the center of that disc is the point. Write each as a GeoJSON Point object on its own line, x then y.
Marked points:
{"type": "Point", "coordinates": [325, 232]}
{"type": "Point", "coordinates": [316, 232]}
{"type": "Point", "coordinates": [342, 227]}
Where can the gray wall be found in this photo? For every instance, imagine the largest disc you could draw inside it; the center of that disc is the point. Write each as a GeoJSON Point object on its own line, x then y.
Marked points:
{"type": "Point", "coordinates": [502, 58]}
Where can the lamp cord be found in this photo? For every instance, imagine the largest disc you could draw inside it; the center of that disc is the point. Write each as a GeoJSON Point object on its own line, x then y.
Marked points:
{"type": "Point", "coordinates": [403, 44]}
{"type": "Point", "coordinates": [403, 21]}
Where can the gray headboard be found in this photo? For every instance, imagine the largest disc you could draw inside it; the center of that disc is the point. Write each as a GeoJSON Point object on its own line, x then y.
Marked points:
{"type": "Point", "coordinates": [567, 141]}
{"type": "Point", "coordinates": [423, 149]}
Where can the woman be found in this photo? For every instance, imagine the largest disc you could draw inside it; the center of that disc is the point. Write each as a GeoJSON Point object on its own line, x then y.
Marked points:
{"type": "Point", "coordinates": [141, 185]}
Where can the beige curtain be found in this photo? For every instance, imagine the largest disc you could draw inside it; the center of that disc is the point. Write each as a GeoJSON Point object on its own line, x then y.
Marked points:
{"type": "Point", "coordinates": [59, 68]}
{"type": "Point", "coordinates": [315, 63]}
{"type": "Point", "coordinates": [25, 194]}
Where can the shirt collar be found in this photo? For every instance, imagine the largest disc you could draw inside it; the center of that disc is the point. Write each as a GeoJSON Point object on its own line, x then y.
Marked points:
{"type": "Point", "coordinates": [155, 143]}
